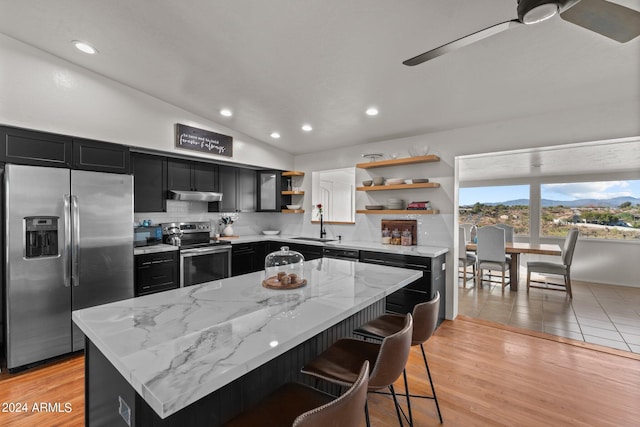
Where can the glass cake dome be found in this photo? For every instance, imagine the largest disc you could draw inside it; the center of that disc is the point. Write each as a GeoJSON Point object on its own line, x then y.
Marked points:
{"type": "Point", "coordinates": [284, 269]}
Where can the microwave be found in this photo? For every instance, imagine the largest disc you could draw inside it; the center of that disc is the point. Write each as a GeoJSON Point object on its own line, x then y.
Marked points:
{"type": "Point", "coordinates": [145, 236]}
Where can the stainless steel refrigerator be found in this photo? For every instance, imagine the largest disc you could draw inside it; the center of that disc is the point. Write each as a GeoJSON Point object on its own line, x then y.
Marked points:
{"type": "Point", "coordinates": [69, 245]}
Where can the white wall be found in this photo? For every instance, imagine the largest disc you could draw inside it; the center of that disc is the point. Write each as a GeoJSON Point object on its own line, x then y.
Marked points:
{"type": "Point", "coordinates": [598, 122]}
{"type": "Point", "coordinates": [40, 91]}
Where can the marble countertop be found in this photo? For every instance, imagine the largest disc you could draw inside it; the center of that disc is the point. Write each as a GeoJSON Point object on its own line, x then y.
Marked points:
{"type": "Point", "coordinates": [178, 346]}
{"type": "Point", "coordinates": [140, 250]}
{"type": "Point", "coordinates": [417, 250]}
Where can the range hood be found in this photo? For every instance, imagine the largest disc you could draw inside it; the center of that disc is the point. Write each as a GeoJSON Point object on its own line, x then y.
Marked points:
{"type": "Point", "coordinates": [195, 196]}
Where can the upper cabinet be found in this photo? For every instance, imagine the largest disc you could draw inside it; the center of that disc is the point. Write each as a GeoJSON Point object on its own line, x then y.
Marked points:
{"type": "Point", "coordinates": [269, 190]}
{"type": "Point", "coordinates": [101, 156]}
{"type": "Point", "coordinates": [149, 182]}
{"type": "Point", "coordinates": [191, 176]}
{"type": "Point", "coordinates": [238, 188]}
{"type": "Point", "coordinates": [29, 147]}
{"type": "Point", "coordinates": [378, 209]}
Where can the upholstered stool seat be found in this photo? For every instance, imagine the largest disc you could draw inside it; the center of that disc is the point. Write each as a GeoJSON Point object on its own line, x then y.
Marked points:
{"type": "Point", "coordinates": [299, 405]}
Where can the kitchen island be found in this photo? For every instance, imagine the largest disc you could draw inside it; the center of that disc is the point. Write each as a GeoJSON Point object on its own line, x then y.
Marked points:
{"type": "Point", "coordinates": [199, 355]}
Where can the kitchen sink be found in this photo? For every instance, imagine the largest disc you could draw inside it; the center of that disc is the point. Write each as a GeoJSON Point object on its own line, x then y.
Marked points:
{"type": "Point", "coordinates": [314, 239]}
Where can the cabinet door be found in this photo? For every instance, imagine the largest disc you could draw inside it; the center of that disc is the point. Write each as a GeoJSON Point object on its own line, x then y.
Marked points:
{"type": "Point", "coordinates": [101, 156]}
{"type": "Point", "coordinates": [246, 190]}
{"type": "Point", "coordinates": [149, 183]}
{"type": "Point", "coordinates": [268, 191]}
{"type": "Point", "coordinates": [228, 185]}
{"type": "Point", "coordinates": [28, 147]}
{"type": "Point", "coordinates": [205, 177]}
{"type": "Point", "coordinates": [179, 175]}
{"type": "Point", "coordinates": [243, 259]}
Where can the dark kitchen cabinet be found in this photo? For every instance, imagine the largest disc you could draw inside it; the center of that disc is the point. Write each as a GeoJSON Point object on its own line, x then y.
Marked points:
{"type": "Point", "coordinates": [422, 290]}
{"type": "Point", "coordinates": [247, 258]}
{"type": "Point", "coordinates": [149, 183]}
{"type": "Point", "coordinates": [101, 156]}
{"type": "Point", "coordinates": [269, 189]}
{"type": "Point", "coordinates": [29, 147]}
{"type": "Point", "coordinates": [238, 188]}
{"type": "Point", "coordinates": [191, 176]}
{"type": "Point", "coordinates": [156, 272]}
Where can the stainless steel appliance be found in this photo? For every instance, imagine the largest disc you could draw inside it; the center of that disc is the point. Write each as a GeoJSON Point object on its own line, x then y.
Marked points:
{"type": "Point", "coordinates": [69, 245]}
{"type": "Point", "coordinates": [146, 236]}
{"type": "Point", "coordinates": [341, 253]}
{"type": "Point", "coordinates": [201, 259]}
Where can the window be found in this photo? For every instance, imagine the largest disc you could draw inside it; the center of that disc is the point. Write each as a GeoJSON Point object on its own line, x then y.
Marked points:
{"type": "Point", "coordinates": [507, 204]}
{"type": "Point", "coordinates": [601, 210]}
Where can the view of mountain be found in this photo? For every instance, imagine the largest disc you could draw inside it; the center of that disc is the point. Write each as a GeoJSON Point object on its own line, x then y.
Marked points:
{"type": "Point", "coordinates": [613, 202]}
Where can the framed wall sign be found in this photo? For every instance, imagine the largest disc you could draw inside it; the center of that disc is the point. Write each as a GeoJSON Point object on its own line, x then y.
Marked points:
{"type": "Point", "coordinates": [204, 141]}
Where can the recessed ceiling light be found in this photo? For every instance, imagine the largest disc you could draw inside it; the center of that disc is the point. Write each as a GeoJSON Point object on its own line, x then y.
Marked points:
{"type": "Point", "coordinates": [275, 135]}
{"type": "Point", "coordinates": [84, 47]}
{"type": "Point", "coordinates": [226, 112]}
{"type": "Point", "coordinates": [307, 127]}
{"type": "Point", "coordinates": [372, 111]}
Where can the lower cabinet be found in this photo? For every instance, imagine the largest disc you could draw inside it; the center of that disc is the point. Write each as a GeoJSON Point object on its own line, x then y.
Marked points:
{"type": "Point", "coordinates": [247, 258]}
{"type": "Point", "coordinates": [156, 272]}
{"type": "Point", "coordinates": [422, 290]}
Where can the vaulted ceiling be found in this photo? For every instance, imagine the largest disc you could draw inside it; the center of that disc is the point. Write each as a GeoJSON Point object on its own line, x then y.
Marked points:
{"type": "Point", "coordinates": [278, 64]}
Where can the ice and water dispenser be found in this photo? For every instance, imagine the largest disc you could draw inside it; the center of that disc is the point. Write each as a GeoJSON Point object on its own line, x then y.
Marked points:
{"type": "Point", "coordinates": [41, 236]}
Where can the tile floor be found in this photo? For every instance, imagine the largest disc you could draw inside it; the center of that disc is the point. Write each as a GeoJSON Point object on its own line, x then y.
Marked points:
{"type": "Point", "coordinates": [608, 315]}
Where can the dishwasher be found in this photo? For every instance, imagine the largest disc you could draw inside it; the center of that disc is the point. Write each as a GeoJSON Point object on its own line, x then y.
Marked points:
{"type": "Point", "coordinates": [341, 253]}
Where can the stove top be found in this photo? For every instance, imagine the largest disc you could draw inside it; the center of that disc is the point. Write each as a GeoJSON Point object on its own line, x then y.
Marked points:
{"type": "Point", "coordinates": [192, 235]}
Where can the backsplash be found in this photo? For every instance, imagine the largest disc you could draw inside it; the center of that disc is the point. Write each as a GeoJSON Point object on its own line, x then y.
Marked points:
{"type": "Point", "coordinates": [432, 229]}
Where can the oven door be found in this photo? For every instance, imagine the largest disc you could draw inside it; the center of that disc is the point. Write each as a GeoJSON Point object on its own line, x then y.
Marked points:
{"type": "Point", "coordinates": [201, 265]}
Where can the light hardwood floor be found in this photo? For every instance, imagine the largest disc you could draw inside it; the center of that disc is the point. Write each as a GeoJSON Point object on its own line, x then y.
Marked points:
{"type": "Point", "coordinates": [486, 374]}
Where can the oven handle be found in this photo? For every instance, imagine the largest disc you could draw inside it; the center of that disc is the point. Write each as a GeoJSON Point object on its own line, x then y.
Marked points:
{"type": "Point", "coordinates": [203, 251]}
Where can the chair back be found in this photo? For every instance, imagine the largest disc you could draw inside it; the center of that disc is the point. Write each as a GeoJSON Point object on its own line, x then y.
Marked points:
{"type": "Point", "coordinates": [508, 232]}
{"type": "Point", "coordinates": [347, 410]}
{"type": "Point", "coordinates": [425, 319]}
{"type": "Point", "coordinates": [491, 244]}
{"type": "Point", "coordinates": [569, 246]}
{"type": "Point", "coordinates": [392, 357]}
{"type": "Point", "coordinates": [462, 243]}
{"type": "Point", "coordinates": [467, 230]}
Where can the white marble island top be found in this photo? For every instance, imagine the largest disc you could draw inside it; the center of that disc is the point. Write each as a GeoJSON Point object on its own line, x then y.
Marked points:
{"type": "Point", "coordinates": [178, 346]}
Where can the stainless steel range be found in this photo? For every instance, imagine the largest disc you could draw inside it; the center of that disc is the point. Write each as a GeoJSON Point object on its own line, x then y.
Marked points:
{"type": "Point", "coordinates": [201, 259]}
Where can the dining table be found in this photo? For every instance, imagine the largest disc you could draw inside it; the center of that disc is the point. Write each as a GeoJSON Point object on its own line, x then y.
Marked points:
{"type": "Point", "coordinates": [515, 249]}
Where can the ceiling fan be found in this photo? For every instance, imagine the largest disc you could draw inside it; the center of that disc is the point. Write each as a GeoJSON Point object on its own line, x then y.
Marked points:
{"type": "Point", "coordinates": [603, 17]}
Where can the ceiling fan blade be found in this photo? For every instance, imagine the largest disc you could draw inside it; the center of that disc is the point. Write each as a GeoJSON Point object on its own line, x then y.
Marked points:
{"type": "Point", "coordinates": [609, 19]}
{"type": "Point", "coordinates": [461, 42]}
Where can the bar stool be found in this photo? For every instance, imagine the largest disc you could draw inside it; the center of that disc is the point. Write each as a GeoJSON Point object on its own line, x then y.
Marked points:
{"type": "Point", "coordinates": [425, 317]}
{"type": "Point", "coordinates": [299, 405]}
{"type": "Point", "coordinates": [339, 363]}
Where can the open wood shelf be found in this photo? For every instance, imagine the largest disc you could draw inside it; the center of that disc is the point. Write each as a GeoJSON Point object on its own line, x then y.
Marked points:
{"type": "Point", "coordinates": [399, 162]}
{"type": "Point", "coordinates": [292, 193]}
{"type": "Point", "coordinates": [292, 173]}
{"type": "Point", "coordinates": [398, 211]}
{"type": "Point", "coordinates": [399, 186]}
{"type": "Point", "coordinates": [292, 211]}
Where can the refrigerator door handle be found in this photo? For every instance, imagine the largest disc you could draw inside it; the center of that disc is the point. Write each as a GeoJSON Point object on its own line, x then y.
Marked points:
{"type": "Point", "coordinates": [75, 235]}
{"type": "Point", "coordinates": [67, 239]}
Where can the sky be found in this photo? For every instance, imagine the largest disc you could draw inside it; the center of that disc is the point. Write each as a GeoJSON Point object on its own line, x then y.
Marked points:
{"type": "Point", "coordinates": [562, 192]}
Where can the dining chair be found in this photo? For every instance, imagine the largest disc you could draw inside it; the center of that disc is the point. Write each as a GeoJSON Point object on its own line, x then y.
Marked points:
{"type": "Point", "coordinates": [467, 230]}
{"type": "Point", "coordinates": [508, 231]}
{"type": "Point", "coordinates": [339, 364]}
{"type": "Point", "coordinates": [465, 259]}
{"type": "Point", "coordinates": [425, 322]}
{"type": "Point", "coordinates": [299, 405]}
{"type": "Point", "coordinates": [491, 252]}
{"type": "Point", "coordinates": [563, 268]}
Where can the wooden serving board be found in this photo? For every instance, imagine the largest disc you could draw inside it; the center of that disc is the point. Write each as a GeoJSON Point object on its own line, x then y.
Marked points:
{"type": "Point", "coordinates": [273, 283]}
{"type": "Point", "coordinates": [402, 224]}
